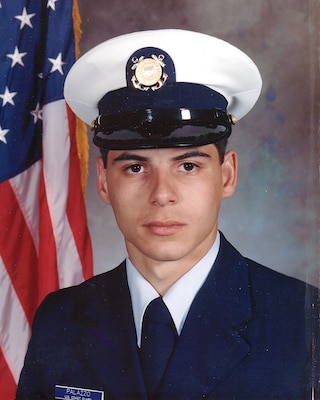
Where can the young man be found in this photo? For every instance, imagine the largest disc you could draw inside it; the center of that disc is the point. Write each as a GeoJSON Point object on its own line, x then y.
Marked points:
{"type": "Point", "coordinates": [222, 326]}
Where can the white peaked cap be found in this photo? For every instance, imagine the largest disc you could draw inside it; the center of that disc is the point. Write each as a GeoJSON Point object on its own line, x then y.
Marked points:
{"type": "Point", "coordinates": [197, 57]}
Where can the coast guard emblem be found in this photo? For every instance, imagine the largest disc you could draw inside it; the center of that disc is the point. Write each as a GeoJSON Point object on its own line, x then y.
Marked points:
{"type": "Point", "coordinates": [149, 68]}
{"type": "Point", "coordinates": [148, 72]}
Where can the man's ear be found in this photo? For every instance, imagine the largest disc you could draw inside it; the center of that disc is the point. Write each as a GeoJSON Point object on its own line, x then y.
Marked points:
{"type": "Point", "coordinates": [229, 173]}
{"type": "Point", "coordinates": [102, 186]}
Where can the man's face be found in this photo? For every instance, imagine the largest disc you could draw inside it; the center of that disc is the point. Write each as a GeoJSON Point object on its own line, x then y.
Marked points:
{"type": "Point", "coordinates": [166, 201]}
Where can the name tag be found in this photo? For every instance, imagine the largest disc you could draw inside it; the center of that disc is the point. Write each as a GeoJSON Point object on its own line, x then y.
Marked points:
{"type": "Point", "coordinates": [73, 393]}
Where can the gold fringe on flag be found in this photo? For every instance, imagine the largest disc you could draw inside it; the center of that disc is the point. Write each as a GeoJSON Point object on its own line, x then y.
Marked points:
{"type": "Point", "coordinates": [81, 129]}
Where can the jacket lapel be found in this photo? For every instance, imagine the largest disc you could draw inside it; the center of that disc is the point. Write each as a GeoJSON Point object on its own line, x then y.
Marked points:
{"type": "Point", "coordinates": [111, 336]}
{"type": "Point", "coordinates": [212, 341]}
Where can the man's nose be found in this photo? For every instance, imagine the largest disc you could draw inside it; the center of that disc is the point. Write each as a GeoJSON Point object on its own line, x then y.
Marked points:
{"type": "Point", "coordinates": [163, 188]}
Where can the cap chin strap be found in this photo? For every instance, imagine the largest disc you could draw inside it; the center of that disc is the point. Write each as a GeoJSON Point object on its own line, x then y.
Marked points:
{"type": "Point", "coordinates": [151, 128]}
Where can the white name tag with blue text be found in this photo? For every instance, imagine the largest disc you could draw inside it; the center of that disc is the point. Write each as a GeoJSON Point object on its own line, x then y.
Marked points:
{"type": "Point", "coordinates": [74, 393]}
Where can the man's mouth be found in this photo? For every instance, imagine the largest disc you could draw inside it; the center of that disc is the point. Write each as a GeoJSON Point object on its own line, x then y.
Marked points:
{"type": "Point", "coordinates": [164, 228]}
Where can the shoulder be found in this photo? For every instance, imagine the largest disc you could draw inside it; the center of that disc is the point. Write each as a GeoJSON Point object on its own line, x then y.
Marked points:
{"type": "Point", "coordinates": [284, 301]}
{"type": "Point", "coordinates": [75, 300]}
{"type": "Point", "coordinates": [268, 285]}
{"type": "Point", "coordinates": [102, 282]}
{"type": "Point", "coordinates": [260, 275]}
{"type": "Point", "coordinates": [267, 280]}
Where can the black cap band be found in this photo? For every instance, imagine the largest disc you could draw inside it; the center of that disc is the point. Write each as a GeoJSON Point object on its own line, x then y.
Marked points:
{"type": "Point", "coordinates": [161, 128]}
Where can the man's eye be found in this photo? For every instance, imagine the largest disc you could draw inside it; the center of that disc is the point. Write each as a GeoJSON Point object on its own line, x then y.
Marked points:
{"type": "Point", "coordinates": [188, 166]}
{"type": "Point", "coordinates": [135, 168]}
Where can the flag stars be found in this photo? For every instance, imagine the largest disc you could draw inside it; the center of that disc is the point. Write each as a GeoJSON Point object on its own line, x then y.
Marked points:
{"type": "Point", "coordinates": [51, 4]}
{"type": "Point", "coordinates": [25, 18]}
{"type": "Point", "coordinates": [3, 133]}
{"type": "Point", "coordinates": [16, 57]}
{"type": "Point", "coordinates": [57, 64]}
{"type": "Point", "coordinates": [37, 114]}
{"type": "Point", "coordinates": [7, 97]}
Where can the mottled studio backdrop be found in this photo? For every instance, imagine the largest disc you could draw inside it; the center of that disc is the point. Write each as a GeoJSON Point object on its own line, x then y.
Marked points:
{"type": "Point", "coordinates": [274, 215]}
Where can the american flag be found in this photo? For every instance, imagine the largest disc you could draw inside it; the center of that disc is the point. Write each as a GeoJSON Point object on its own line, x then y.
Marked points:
{"type": "Point", "coordinates": [44, 240]}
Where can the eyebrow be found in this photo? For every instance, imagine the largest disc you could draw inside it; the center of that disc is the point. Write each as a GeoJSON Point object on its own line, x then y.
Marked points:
{"type": "Point", "coordinates": [130, 157]}
{"type": "Point", "coordinates": [191, 154]}
{"type": "Point", "coordinates": [125, 156]}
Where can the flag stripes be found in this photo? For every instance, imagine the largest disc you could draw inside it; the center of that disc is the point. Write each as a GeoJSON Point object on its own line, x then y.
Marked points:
{"type": "Point", "coordinates": [44, 240]}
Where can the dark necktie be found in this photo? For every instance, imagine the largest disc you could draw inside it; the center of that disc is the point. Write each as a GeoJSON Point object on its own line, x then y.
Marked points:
{"type": "Point", "coordinates": [157, 342]}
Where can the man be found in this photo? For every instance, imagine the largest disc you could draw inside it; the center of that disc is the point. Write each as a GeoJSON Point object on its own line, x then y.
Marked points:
{"type": "Point", "coordinates": [222, 326]}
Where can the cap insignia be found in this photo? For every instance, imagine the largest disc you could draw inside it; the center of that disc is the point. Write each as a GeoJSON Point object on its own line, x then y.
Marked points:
{"type": "Point", "coordinates": [148, 72]}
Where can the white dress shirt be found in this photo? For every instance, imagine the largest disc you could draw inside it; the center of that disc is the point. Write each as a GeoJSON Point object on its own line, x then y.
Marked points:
{"type": "Point", "coordinates": [178, 298]}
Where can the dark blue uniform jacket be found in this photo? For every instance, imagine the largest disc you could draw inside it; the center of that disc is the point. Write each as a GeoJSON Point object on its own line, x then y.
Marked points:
{"type": "Point", "coordinates": [251, 334]}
